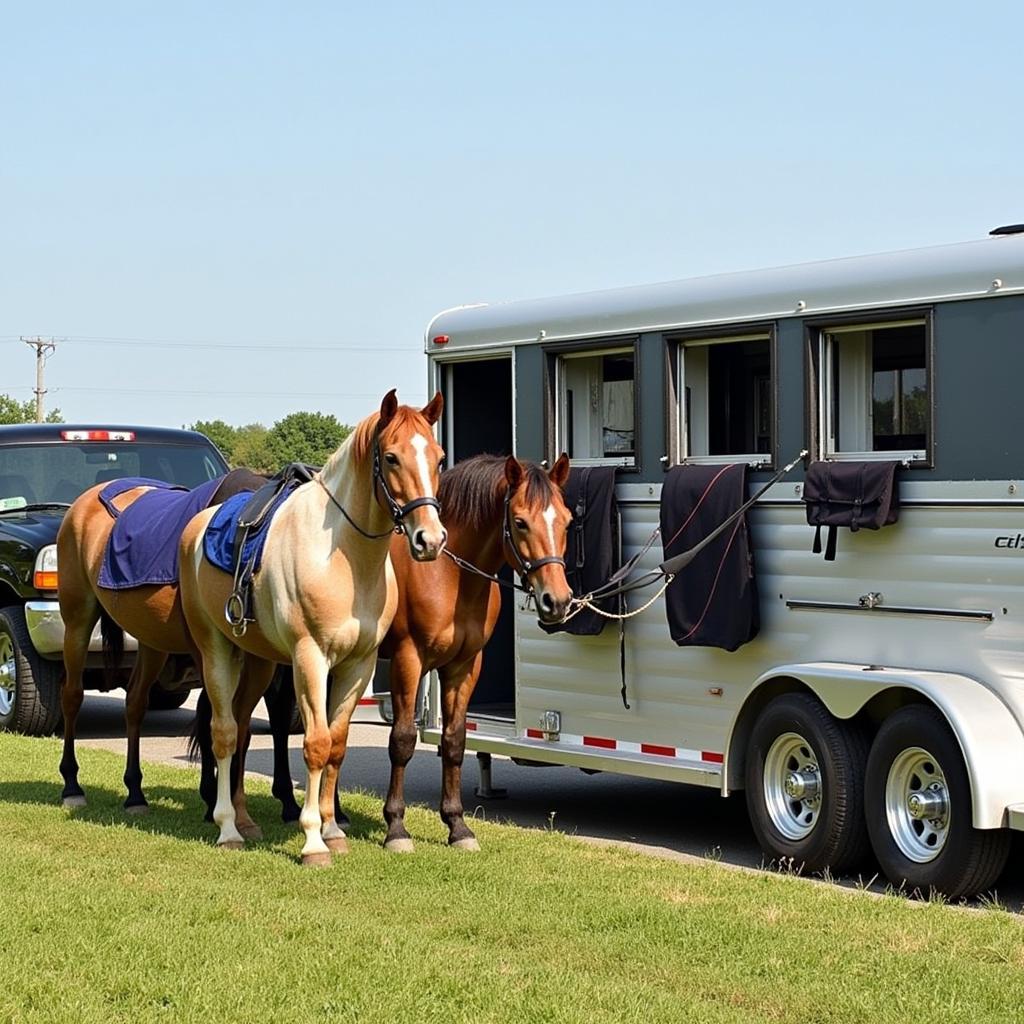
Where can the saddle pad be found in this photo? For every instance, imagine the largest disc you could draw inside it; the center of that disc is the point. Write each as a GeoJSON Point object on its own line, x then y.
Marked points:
{"type": "Point", "coordinates": [143, 546]}
{"type": "Point", "coordinates": [219, 539]}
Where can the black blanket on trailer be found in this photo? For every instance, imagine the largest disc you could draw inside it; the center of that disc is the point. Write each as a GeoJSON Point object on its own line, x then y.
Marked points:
{"type": "Point", "coordinates": [713, 601]}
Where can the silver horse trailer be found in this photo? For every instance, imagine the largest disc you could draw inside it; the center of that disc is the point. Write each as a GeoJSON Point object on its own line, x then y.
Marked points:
{"type": "Point", "coordinates": [881, 704]}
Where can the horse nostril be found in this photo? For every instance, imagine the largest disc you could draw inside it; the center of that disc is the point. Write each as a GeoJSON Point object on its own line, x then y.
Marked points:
{"type": "Point", "coordinates": [546, 603]}
{"type": "Point", "coordinates": [418, 541]}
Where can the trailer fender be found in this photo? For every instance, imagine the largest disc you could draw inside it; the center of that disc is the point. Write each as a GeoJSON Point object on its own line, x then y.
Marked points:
{"type": "Point", "coordinates": [990, 738]}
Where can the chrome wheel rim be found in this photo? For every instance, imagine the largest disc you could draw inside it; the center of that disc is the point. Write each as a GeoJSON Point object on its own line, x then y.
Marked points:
{"type": "Point", "coordinates": [8, 675]}
{"type": "Point", "coordinates": [917, 805]}
{"type": "Point", "coordinates": [792, 786]}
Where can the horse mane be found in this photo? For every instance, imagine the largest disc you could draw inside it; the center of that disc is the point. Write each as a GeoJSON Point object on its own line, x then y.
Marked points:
{"type": "Point", "coordinates": [473, 491]}
{"type": "Point", "coordinates": [359, 444]}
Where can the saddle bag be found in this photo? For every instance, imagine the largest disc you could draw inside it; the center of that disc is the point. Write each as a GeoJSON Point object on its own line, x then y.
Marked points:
{"type": "Point", "coordinates": [856, 495]}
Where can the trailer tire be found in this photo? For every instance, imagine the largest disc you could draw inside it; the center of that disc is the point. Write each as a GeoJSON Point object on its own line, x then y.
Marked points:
{"type": "Point", "coordinates": [805, 785]}
{"type": "Point", "coordinates": [916, 768]}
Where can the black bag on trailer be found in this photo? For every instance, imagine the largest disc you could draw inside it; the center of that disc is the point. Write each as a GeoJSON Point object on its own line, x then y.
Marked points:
{"type": "Point", "coordinates": [593, 546]}
{"type": "Point", "coordinates": [857, 495]}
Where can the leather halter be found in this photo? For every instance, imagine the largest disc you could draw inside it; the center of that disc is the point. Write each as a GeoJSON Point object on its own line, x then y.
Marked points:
{"type": "Point", "coordinates": [522, 566]}
{"type": "Point", "coordinates": [398, 512]}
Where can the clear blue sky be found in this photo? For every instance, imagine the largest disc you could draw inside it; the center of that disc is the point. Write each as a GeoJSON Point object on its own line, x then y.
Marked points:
{"type": "Point", "coordinates": [193, 176]}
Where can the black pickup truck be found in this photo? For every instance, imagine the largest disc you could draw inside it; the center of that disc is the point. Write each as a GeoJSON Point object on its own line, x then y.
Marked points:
{"type": "Point", "coordinates": [43, 468]}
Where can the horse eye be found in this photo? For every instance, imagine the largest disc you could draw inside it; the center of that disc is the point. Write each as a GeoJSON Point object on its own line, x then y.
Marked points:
{"type": "Point", "coordinates": [391, 459]}
{"type": "Point", "coordinates": [520, 523]}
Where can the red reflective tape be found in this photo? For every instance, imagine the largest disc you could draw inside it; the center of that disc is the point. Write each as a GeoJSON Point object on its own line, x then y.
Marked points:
{"type": "Point", "coordinates": [598, 741]}
{"type": "Point", "coordinates": [366, 702]}
{"type": "Point", "coordinates": [707, 755]}
{"type": "Point", "coordinates": [653, 748]}
{"type": "Point", "coordinates": [535, 734]}
{"type": "Point", "coordinates": [471, 726]}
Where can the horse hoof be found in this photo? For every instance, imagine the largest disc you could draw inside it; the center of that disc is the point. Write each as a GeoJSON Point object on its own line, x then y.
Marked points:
{"type": "Point", "coordinates": [469, 844]}
{"type": "Point", "coordinates": [404, 845]}
{"type": "Point", "coordinates": [72, 802]}
{"type": "Point", "coordinates": [338, 845]}
{"type": "Point", "coordinates": [251, 831]}
{"type": "Point", "coordinates": [231, 844]}
{"type": "Point", "coordinates": [316, 860]}
{"type": "Point", "coordinates": [137, 809]}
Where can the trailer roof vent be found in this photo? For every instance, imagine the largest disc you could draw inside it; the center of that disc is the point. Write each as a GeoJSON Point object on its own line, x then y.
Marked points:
{"type": "Point", "coordinates": [1008, 229]}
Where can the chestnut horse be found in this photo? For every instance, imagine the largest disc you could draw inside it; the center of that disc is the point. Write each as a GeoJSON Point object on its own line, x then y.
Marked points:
{"type": "Point", "coordinates": [323, 600]}
{"type": "Point", "coordinates": [497, 511]}
{"type": "Point", "coordinates": [151, 613]}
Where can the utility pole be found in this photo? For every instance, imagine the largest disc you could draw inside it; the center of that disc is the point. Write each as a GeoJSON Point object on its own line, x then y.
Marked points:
{"type": "Point", "coordinates": [42, 347]}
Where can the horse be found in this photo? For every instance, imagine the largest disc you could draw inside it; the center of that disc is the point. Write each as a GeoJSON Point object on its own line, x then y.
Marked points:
{"type": "Point", "coordinates": [322, 601]}
{"type": "Point", "coordinates": [497, 511]}
{"type": "Point", "coordinates": [152, 613]}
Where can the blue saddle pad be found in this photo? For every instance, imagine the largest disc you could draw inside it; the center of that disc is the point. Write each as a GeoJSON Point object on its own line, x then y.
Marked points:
{"type": "Point", "coordinates": [143, 546]}
{"type": "Point", "coordinates": [219, 539]}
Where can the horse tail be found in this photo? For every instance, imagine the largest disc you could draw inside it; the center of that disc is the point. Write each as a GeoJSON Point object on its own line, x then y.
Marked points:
{"type": "Point", "coordinates": [113, 644]}
{"type": "Point", "coordinates": [200, 731]}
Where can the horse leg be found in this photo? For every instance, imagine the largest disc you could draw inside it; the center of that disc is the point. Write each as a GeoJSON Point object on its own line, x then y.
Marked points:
{"type": "Point", "coordinates": [280, 702]}
{"type": "Point", "coordinates": [406, 672]}
{"type": "Point", "coordinates": [78, 629]}
{"type": "Point", "coordinates": [148, 664]}
{"type": "Point", "coordinates": [346, 686]}
{"type": "Point", "coordinates": [220, 677]}
{"type": "Point", "coordinates": [309, 671]}
{"type": "Point", "coordinates": [457, 684]}
{"type": "Point", "coordinates": [256, 676]}
{"type": "Point", "coordinates": [203, 742]}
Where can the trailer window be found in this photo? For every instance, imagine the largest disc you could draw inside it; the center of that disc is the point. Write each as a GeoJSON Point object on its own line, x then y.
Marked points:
{"type": "Point", "coordinates": [596, 407]}
{"type": "Point", "coordinates": [875, 390]}
{"type": "Point", "coordinates": [725, 399]}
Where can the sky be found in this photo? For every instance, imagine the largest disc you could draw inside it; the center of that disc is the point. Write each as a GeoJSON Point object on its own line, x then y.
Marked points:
{"type": "Point", "coordinates": [242, 210]}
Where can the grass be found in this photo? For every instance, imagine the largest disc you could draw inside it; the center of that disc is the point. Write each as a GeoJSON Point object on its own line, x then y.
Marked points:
{"type": "Point", "coordinates": [104, 919]}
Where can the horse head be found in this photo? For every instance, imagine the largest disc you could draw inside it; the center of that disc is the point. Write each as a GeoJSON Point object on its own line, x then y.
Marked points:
{"type": "Point", "coordinates": [407, 464]}
{"type": "Point", "coordinates": [536, 524]}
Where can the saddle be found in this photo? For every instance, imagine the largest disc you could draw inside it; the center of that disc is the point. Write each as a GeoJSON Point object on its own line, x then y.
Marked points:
{"type": "Point", "coordinates": [254, 519]}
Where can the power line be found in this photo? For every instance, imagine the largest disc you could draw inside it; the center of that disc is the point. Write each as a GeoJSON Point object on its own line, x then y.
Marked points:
{"type": "Point", "coordinates": [283, 346]}
{"type": "Point", "coordinates": [220, 393]}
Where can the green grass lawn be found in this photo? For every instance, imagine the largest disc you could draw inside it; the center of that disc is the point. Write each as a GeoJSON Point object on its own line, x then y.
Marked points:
{"type": "Point", "coordinates": [105, 919]}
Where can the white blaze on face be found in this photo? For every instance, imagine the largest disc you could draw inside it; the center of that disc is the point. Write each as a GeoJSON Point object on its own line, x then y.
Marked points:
{"type": "Point", "coordinates": [420, 445]}
{"type": "Point", "coordinates": [549, 518]}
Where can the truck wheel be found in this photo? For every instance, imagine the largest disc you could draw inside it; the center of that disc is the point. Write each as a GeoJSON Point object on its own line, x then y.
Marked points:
{"type": "Point", "coordinates": [805, 779]}
{"type": "Point", "coordinates": [166, 700]}
{"type": "Point", "coordinates": [29, 684]}
{"type": "Point", "coordinates": [918, 806]}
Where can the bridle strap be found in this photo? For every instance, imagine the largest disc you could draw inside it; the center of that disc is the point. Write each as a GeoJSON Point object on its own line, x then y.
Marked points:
{"type": "Point", "coordinates": [523, 566]}
{"type": "Point", "coordinates": [397, 512]}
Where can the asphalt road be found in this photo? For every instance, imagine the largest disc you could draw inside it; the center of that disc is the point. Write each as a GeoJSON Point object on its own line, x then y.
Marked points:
{"type": "Point", "coordinates": [661, 818]}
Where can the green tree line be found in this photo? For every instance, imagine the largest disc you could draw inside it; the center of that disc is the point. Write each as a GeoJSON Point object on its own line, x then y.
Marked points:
{"type": "Point", "coordinates": [308, 437]}
{"type": "Point", "coordinates": [13, 411]}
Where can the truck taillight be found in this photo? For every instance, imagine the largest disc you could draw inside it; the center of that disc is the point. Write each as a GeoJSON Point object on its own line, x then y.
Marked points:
{"type": "Point", "coordinates": [98, 435]}
{"type": "Point", "coordinates": [44, 576]}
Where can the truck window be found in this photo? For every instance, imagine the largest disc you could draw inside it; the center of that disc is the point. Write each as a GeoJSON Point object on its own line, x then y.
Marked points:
{"type": "Point", "coordinates": [596, 407]}
{"type": "Point", "coordinates": [725, 399]}
{"type": "Point", "coordinates": [875, 390]}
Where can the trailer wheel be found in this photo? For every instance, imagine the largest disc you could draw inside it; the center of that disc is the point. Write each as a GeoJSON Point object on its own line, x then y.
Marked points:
{"type": "Point", "coordinates": [918, 806]}
{"type": "Point", "coordinates": [805, 779]}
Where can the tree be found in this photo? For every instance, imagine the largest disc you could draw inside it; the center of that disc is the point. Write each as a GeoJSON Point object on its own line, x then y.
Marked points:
{"type": "Point", "coordinates": [252, 449]}
{"type": "Point", "coordinates": [310, 437]}
{"type": "Point", "coordinates": [13, 411]}
{"type": "Point", "coordinates": [222, 434]}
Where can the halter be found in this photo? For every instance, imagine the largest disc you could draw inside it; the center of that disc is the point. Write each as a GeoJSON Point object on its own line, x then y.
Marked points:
{"type": "Point", "coordinates": [522, 566]}
{"type": "Point", "coordinates": [398, 512]}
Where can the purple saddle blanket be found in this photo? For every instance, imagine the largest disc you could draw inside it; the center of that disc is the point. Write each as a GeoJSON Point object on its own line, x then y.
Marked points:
{"type": "Point", "coordinates": [143, 546]}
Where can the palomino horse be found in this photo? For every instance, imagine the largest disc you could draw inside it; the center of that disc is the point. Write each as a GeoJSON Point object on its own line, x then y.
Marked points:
{"type": "Point", "coordinates": [497, 511]}
{"type": "Point", "coordinates": [151, 613]}
{"type": "Point", "coordinates": [323, 600]}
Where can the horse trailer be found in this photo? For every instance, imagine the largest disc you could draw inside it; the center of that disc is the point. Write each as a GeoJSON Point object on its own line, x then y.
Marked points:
{"type": "Point", "coordinates": [879, 706]}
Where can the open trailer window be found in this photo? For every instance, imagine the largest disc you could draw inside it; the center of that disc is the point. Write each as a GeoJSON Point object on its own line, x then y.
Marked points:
{"type": "Point", "coordinates": [875, 390]}
{"type": "Point", "coordinates": [596, 406]}
{"type": "Point", "coordinates": [725, 399]}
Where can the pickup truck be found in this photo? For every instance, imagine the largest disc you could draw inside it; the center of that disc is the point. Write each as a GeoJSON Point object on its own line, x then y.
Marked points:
{"type": "Point", "coordinates": [43, 468]}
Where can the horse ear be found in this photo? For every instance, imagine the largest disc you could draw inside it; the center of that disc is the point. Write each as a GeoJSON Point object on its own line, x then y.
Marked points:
{"type": "Point", "coordinates": [513, 473]}
{"type": "Point", "coordinates": [431, 412]}
{"type": "Point", "coordinates": [388, 408]}
{"type": "Point", "coordinates": [560, 471]}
